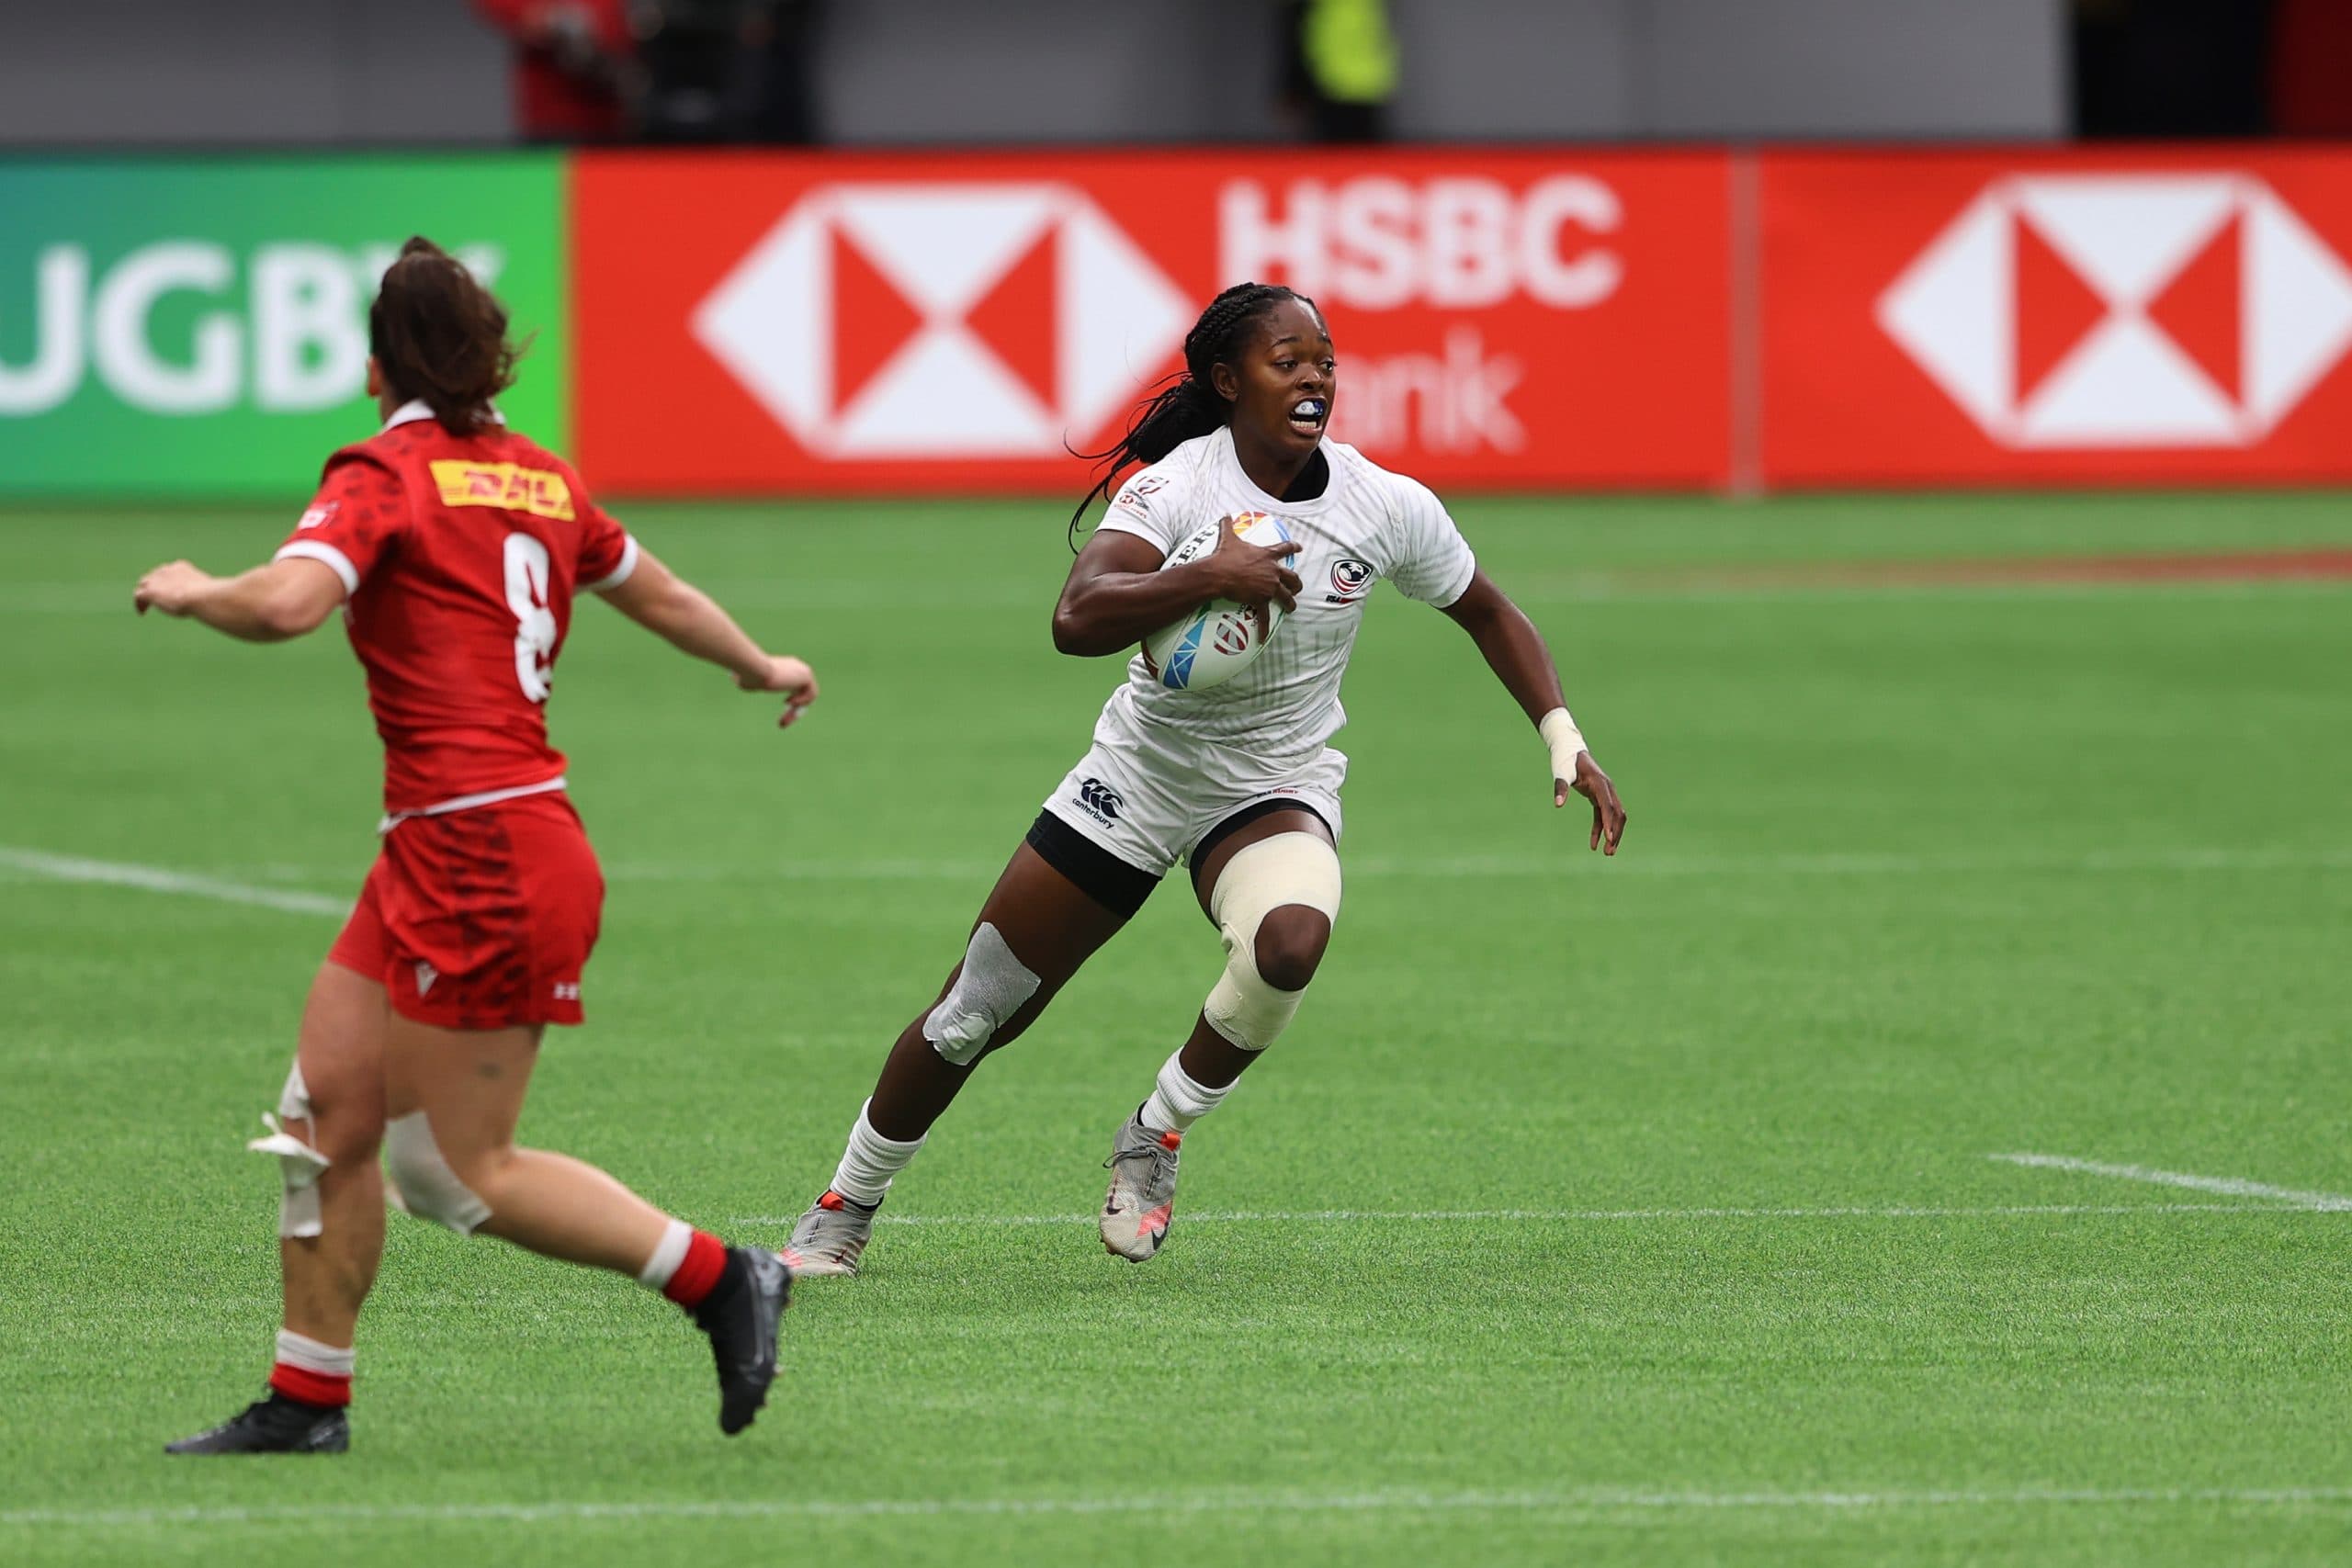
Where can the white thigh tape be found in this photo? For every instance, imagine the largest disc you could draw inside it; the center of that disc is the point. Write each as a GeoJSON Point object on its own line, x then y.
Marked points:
{"type": "Point", "coordinates": [1289, 868]}
{"type": "Point", "coordinates": [428, 1188]}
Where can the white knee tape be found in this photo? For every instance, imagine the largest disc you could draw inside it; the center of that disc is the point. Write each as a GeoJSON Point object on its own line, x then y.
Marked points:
{"type": "Point", "coordinates": [1289, 868]}
{"type": "Point", "coordinates": [298, 1163]}
{"type": "Point", "coordinates": [427, 1187]}
{"type": "Point", "coordinates": [992, 988]}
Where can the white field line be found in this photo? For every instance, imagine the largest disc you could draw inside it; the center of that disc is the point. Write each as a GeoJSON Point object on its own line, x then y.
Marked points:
{"type": "Point", "coordinates": [1631, 864]}
{"type": "Point", "coordinates": [1585, 1216]}
{"type": "Point", "coordinates": [156, 879]}
{"type": "Point", "coordinates": [2236, 1187]}
{"type": "Point", "coordinates": [2053, 590]}
{"type": "Point", "coordinates": [1582, 1500]}
{"type": "Point", "coordinates": [18, 862]}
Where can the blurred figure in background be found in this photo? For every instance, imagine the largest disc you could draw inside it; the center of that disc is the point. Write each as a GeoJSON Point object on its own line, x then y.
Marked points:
{"type": "Point", "coordinates": [2311, 68]}
{"type": "Point", "coordinates": [700, 71]}
{"type": "Point", "coordinates": [1339, 68]}
{"type": "Point", "coordinates": [692, 52]}
{"type": "Point", "coordinates": [572, 60]}
{"type": "Point", "coordinates": [783, 106]}
{"type": "Point", "coordinates": [2180, 68]}
{"type": "Point", "coordinates": [2172, 67]}
{"type": "Point", "coordinates": [725, 70]}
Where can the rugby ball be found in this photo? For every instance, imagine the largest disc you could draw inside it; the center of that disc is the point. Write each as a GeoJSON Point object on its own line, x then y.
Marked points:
{"type": "Point", "coordinates": [1221, 638]}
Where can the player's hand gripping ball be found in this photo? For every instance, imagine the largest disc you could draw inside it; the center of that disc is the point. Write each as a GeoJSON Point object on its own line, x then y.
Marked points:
{"type": "Point", "coordinates": [1224, 636]}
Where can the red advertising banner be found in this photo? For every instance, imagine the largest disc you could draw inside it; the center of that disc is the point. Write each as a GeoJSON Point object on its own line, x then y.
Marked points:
{"type": "Point", "coordinates": [837, 323]}
{"type": "Point", "coordinates": [2146, 316]}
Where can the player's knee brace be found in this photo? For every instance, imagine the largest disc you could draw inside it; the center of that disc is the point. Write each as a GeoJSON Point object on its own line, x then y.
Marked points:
{"type": "Point", "coordinates": [994, 985]}
{"type": "Point", "coordinates": [1289, 868]}
{"type": "Point", "coordinates": [423, 1185]}
{"type": "Point", "coordinates": [299, 1164]}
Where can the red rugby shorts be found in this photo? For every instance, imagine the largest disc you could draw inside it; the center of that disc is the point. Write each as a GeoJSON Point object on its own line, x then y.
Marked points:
{"type": "Point", "coordinates": [481, 919]}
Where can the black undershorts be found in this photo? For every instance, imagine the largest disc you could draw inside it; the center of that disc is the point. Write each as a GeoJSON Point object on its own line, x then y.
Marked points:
{"type": "Point", "coordinates": [1112, 881]}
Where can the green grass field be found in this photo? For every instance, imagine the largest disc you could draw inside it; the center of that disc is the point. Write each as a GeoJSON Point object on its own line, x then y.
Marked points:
{"type": "Point", "coordinates": [1635, 1213]}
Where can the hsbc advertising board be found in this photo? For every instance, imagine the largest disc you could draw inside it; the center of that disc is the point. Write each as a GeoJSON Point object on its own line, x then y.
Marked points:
{"type": "Point", "coordinates": [751, 323]}
{"type": "Point", "coordinates": [756, 323]}
{"type": "Point", "coordinates": [2148, 317]}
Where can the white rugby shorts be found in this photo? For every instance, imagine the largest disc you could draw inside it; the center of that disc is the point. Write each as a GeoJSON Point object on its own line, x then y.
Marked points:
{"type": "Point", "coordinates": [1149, 809]}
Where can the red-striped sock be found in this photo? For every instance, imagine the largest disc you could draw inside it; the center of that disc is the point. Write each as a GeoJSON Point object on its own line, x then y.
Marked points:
{"type": "Point", "coordinates": [312, 1372]}
{"type": "Point", "coordinates": [686, 1265]}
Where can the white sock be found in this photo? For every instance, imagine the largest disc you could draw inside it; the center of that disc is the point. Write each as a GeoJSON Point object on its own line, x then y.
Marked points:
{"type": "Point", "coordinates": [668, 1253]}
{"type": "Point", "coordinates": [871, 1160]}
{"type": "Point", "coordinates": [1176, 1100]}
{"type": "Point", "coordinates": [313, 1356]}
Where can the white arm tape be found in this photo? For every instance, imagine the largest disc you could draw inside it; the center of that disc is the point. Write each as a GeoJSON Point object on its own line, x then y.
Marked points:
{"type": "Point", "coordinates": [1560, 733]}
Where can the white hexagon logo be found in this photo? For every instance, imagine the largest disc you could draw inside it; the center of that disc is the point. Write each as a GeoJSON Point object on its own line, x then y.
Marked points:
{"type": "Point", "coordinates": [2119, 310]}
{"type": "Point", "coordinates": [928, 319]}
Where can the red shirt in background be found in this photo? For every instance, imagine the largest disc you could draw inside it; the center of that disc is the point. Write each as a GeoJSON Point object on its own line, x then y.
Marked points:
{"type": "Point", "coordinates": [555, 100]}
{"type": "Point", "coordinates": [460, 555]}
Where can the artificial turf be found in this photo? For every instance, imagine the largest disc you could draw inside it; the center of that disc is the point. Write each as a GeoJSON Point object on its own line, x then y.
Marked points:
{"type": "Point", "coordinates": [1478, 1266]}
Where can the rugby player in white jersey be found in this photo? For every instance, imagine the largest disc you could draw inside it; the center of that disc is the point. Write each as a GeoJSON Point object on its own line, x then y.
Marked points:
{"type": "Point", "coordinates": [1238, 780]}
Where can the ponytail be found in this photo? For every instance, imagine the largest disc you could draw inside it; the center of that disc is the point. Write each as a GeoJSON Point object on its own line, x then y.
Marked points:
{"type": "Point", "coordinates": [1187, 404]}
{"type": "Point", "coordinates": [438, 335]}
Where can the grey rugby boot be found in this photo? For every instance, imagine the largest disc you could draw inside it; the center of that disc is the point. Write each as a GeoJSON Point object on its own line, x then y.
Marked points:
{"type": "Point", "coordinates": [830, 1236]}
{"type": "Point", "coordinates": [1142, 1199]}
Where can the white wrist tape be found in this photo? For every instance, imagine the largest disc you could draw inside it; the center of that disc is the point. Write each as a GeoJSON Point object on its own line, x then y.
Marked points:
{"type": "Point", "coordinates": [1560, 733]}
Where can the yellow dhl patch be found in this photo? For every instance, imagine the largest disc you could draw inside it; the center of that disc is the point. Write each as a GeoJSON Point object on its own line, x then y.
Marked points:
{"type": "Point", "coordinates": [539, 492]}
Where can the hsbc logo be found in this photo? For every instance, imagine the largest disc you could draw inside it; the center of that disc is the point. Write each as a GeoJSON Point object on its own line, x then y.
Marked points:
{"type": "Point", "coordinates": [2118, 310]}
{"type": "Point", "coordinates": [932, 320]}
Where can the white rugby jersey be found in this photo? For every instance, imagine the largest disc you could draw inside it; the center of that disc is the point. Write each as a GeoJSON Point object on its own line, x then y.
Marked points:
{"type": "Point", "coordinates": [1272, 719]}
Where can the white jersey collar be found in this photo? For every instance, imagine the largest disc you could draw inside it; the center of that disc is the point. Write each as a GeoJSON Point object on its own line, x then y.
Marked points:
{"type": "Point", "coordinates": [415, 409]}
{"type": "Point", "coordinates": [1232, 460]}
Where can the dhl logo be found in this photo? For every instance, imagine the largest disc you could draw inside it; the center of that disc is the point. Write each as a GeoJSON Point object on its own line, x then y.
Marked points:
{"type": "Point", "coordinates": [538, 491]}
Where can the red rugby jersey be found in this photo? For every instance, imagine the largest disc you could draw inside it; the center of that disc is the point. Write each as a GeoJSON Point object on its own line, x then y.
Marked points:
{"type": "Point", "coordinates": [460, 555]}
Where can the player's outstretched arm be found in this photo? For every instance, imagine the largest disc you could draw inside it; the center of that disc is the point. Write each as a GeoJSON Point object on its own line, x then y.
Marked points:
{"type": "Point", "coordinates": [270, 603]}
{"type": "Point", "coordinates": [1515, 651]}
{"type": "Point", "coordinates": [691, 621]}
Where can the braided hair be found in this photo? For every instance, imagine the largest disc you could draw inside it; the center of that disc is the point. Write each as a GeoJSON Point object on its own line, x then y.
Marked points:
{"type": "Point", "coordinates": [1187, 404]}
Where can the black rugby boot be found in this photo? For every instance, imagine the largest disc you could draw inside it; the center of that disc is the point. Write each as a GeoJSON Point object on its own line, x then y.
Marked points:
{"type": "Point", "coordinates": [274, 1425]}
{"type": "Point", "coordinates": [741, 1315]}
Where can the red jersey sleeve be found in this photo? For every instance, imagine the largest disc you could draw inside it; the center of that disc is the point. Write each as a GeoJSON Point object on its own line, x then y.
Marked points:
{"type": "Point", "coordinates": [354, 522]}
{"type": "Point", "coordinates": [607, 553]}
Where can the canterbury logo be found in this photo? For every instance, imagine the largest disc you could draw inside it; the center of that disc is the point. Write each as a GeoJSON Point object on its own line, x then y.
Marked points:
{"type": "Point", "coordinates": [510, 486]}
{"type": "Point", "coordinates": [1101, 799]}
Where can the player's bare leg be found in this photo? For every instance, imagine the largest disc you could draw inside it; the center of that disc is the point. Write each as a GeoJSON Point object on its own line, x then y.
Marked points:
{"type": "Point", "coordinates": [327, 1276]}
{"type": "Point", "coordinates": [1286, 945]}
{"type": "Point", "coordinates": [1035, 929]}
{"type": "Point", "coordinates": [1052, 929]}
{"type": "Point", "coordinates": [471, 1084]}
{"type": "Point", "coordinates": [329, 1125]}
{"type": "Point", "coordinates": [453, 1098]}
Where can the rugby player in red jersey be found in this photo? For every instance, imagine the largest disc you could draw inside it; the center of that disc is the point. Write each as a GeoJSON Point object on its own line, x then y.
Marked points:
{"type": "Point", "coordinates": [454, 547]}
